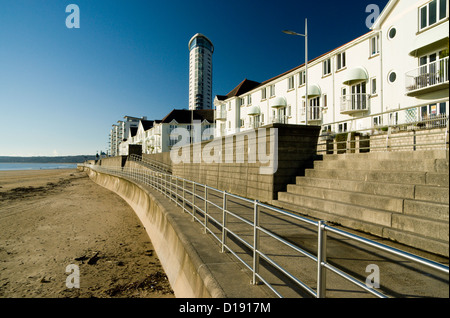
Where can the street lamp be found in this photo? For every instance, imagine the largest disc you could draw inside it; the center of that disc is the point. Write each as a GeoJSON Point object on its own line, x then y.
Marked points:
{"type": "Point", "coordinates": [306, 62]}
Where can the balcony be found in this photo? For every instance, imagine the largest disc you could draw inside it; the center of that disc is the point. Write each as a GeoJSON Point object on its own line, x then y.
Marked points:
{"type": "Point", "coordinates": [279, 120]}
{"type": "Point", "coordinates": [220, 114]}
{"type": "Point", "coordinates": [427, 78]}
{"type": "Point", "coordinates": [354, 103]}
{"type": "Point", "coordinates": [314, 113]}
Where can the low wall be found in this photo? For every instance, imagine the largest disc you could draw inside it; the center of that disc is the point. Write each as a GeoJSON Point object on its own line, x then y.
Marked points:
{"type": "Point", "coordinates": [190, 259]}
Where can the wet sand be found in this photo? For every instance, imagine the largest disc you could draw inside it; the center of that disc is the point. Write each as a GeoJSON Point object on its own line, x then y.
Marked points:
{"type": "Point", "coordinates": [50, 219]}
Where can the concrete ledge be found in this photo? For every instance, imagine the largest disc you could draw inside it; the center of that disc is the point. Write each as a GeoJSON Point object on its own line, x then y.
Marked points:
{"type": "Point", "coordinates": [192, 260]}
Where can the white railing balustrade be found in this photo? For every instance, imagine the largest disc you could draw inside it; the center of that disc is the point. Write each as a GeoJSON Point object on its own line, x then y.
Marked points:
{"type": "Point", "coordinates": [354, 103]}
{"type": "Point", "coordinates": [428, 75]}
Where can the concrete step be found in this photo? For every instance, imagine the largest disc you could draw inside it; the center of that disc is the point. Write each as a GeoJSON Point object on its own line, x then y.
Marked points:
{"type": "Point", "coordinates": [426, 209]}
{"type": "Point", "coordinates": [411, 177]}
{"type": "Point", "coordinates": [365, 214]}
{"type": "Point", "coordinates": [434, 229]}
{"type": "Point", "coordinates": [392, 155]}
{"type": "Point", "coordinates": [377, 188]}
{"type": "Point", "coordinates": [426, 165]}
{"type": "Point", "coordinates": [401, 235]}
{"type": "Point", "coordinates": [418, 223]}
{"type": "Point", "coordinates": [437, 179]}
{"type": "Point", "coordinates": [386, 203]}
{"type": "Point", "coordinates": [432, 193]}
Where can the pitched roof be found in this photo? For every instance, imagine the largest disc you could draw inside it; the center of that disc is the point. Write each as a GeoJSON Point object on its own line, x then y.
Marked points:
{"type": "Point", "coordinates": [243, 87]}
{"type": "Point", "coordinates": [147, 124]}
{"type": "Point", "coordinates": [133, 131]}
{"type": "Point", "coordinates": [184, 116]}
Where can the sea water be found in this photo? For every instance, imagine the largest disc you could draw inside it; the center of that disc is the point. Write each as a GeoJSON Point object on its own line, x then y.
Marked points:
{"type": "Point", "coordinates": [35, 166]}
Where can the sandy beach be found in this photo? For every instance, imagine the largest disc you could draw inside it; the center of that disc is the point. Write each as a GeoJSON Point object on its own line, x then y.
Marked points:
{"type": "Point", "coordinates": [50, 219]}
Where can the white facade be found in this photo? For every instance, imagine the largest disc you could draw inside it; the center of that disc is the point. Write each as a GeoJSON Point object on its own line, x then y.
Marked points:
{"type": "Point", "coordinates": [200, 72]}
{"type": "Point", "coordinates": [157, 136]}
{"type": "Point", "coordinates": [120, 145]}
{"type": "Point", "coordinates": [402, 62]}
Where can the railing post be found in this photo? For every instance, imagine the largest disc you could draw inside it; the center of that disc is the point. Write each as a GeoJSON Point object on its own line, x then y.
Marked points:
{"type": "Point", "coordinates": [321, 258]}
{"type": "Point", "coordinates": [176, 190]}
{"type": "Point", "coordinates": [224, 221]}
{"type": "Point", "coordinates": [184, 195]}
{"type": "Point", "coordinates": [255, 241]}
{"type": "Point", "coordinates": [193, 201]}
{"type": "Point", "coordinates": [206, 209]}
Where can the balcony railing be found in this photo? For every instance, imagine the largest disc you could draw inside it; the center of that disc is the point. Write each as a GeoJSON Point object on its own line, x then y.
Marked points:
{"type": "Point", "coordinates": [279, 120]}
{"type": "Point", "coordinates": [220, 114]}
{"type": "Point", "coordinates": [314, 113]}
{"type": "Point", "coordinates": [354, 103]}
{"type": "Point", "coordinates": [427, 77]}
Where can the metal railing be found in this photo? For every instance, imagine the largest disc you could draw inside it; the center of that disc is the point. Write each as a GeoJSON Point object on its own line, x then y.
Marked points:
{"type": "Point", "coordinates": [428, 75]}
{"type": "Point", "coordinates": [383, 131]}
{"type": "Point", "coordinates": [151, 164]}
{"type": "Point", "coordinates": [213, 208]}
{"type": "Point", "coordinates": [354, 103]}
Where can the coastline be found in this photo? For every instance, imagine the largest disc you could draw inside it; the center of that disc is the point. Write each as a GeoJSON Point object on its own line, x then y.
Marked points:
{"type": "Point", "coordinates": [50, 219]}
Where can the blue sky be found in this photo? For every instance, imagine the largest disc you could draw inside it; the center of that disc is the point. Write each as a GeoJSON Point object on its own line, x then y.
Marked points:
{"type": "Point", "coordinates": [61, 89]}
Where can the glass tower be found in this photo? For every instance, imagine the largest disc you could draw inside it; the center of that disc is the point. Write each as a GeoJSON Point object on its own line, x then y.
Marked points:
{"type": "Point", "coordinates": [200, 72]}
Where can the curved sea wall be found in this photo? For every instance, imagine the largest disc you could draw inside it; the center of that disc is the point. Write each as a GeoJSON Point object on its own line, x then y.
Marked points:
{"type": "Point", "coordinates": [169, 231]}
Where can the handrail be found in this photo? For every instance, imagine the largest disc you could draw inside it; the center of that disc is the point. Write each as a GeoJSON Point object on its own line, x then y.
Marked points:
{"type": "Point", "coordinates": [413, 121]}
{"type": "Point", "coordinates": [153, 164]}
{"type": "Point", "coordinates": [171, 186]}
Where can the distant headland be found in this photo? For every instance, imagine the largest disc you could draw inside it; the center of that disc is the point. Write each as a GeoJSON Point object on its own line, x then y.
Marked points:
{"type": "Point", "coordinates": [43, 159]}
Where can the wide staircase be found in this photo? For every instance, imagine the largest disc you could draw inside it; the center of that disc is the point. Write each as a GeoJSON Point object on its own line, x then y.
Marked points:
{"type": "Point", "coordinates": [401, 196]}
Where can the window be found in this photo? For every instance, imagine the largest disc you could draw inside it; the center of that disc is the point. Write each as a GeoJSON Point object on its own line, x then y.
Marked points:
{"type": "Point", "coordinates": [314, 110]}
{"type": "Point", "coordinates": [392, 33]}
{"type": "Point", "coordinates": [272, 90]}
{"type": "Point", "coordinates": [392, 77]}
{"type": "Point", "coordinates": [263, 93]}
{"type": "Point", "coordinates": [301, 78]}
{"type": "Point", "coordinates": [375, 45]}
{"type": "Point", "coordinates": [291, 82]}
{"type": "Point", "coordinates": [340, 61]}
{"type": "Point", "coordinates": [431, 13]}
{"type": "Point", "coordinates": [326, 67]}
{"type": "Point", "coordinates": [249, 99]}
{"type": "Point", "coordinates": [343, 127]}
{"type": "Point", "coordinates": [377, 121]}
{"type": "Point", "coordinates": [325, 100]}
{"type": "Point", "coordinates": [373, 86]}
{"type": "Point", "coordinates": [289, 114]}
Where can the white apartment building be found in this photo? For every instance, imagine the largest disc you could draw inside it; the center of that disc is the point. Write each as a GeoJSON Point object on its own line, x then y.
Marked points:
{"type": "Point", "coordinates": [200, 72]}
{"type": "Point", "coordinates": [120, 132]}
{"type": "Point", "coordinates": [157, 136]}
{"type": "Point", "coordinates": [400, 63]}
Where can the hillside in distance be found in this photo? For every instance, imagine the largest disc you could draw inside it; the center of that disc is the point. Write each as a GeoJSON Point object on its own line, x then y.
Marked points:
{"type": "Point", "coordinates": [38, 159]}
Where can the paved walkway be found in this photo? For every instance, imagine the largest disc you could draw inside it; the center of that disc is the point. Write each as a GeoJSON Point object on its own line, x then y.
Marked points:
{"type": "Point", "coordinates": [397, 277]}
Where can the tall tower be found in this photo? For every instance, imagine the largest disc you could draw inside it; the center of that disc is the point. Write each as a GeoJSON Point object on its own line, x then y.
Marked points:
{"type": "Point", "coordinates": [200, 72]}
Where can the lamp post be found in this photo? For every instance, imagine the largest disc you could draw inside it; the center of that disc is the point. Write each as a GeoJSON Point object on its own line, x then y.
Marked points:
{"type": "Point", "coordinates": [306, 63]}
